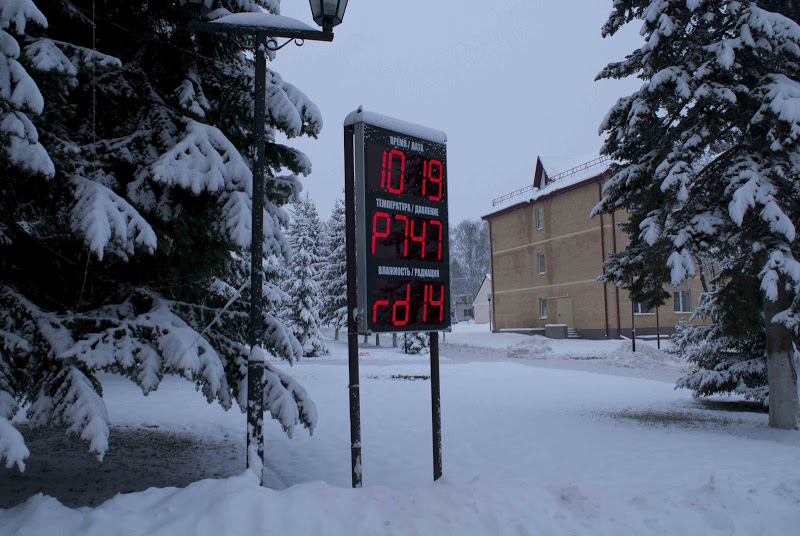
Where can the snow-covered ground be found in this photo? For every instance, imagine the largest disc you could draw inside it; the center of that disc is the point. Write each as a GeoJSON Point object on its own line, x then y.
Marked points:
{"type": "Point", "coordinates": [531, 446]}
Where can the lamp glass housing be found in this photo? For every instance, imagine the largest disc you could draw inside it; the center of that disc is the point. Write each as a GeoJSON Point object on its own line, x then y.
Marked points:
{"type": "Point", "coordinates": [197, 8]}
{"type": "Point", "coordinates": [328, 13]}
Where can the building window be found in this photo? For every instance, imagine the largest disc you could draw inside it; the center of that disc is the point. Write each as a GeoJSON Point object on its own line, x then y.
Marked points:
{"type": "Point", "coordinates": [683, 301]}
{"type": "Point", "coordinates": [541, 263]}
{"type": "Point", "coordinates": [641, 309]}
{"type": "Point", "coordinates": [540, 218]}
{"type": "Point", "coordinates": [542, 307]}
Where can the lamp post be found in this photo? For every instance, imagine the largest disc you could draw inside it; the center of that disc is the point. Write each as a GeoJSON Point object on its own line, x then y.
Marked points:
{"type": "Point", "coordinates": [265, 27]}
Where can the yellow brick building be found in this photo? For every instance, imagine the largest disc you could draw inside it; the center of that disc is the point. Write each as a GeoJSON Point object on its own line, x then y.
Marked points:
{"type": "Point", "coordinates": [546, 255]}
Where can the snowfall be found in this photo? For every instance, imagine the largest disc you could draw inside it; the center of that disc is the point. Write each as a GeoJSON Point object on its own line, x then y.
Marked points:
{"type": "Point", "coordinates": [539, 437]}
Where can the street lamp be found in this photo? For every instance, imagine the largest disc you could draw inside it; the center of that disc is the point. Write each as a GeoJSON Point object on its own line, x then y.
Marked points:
{"type": "Point", "coordinates": [265, 27]}
{"type": "Point", "coordinates": [328, 13]}
{"type": "Point", "coordinates": [196, 8]}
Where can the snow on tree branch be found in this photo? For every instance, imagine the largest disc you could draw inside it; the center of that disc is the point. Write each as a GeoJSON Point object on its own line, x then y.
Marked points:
{"type": "Point", "coordinates": [783, 99]}
{"type": "Point", "coordinates": [46, 56]}
{"type": "Point", "coordinates": [257, 6]}
{"type": "Point", "coordinates": [17, 87]}
{"type": "Point", "coordinates": [750, 189]}
{"type": "Point", "coordinates": [142, 346]}
{"type": "Point", "coordinates": [65, 389]}
{"type": "Point", "coordinates": [287, 401]}
{"type": "Point", "coordinates": [12, 446]}
{"type": "Point", "coordinates": [88, 56]}
{"type": "Point", "coordinates": [281, 339]}
{"type": "Point", "coordinates": [78, 402]}
{"type": "Point", "coordinates": [290, 109]}
{"type": "Point", "coordinates": [24, 149]}
{"type": "Point", "coordinates": [19, 93]}
{"type": "Point", "coordinates": [151, 344]}
{"type": "Point", "coordinates": [107, 221]}
{"type": "Point", "coordinates": [191, 97]}
{"type": "Point", "coordinates": [18, 12]}
{"type": "Point", "coordinates": [238, 218]}
{"type": "Point", "coordinates": [204, 160]}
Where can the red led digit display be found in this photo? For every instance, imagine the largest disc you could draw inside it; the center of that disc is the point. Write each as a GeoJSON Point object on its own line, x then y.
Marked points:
{"type": "Point", "coordinates": [403, 172]}
{"type": "Point", "coordinates": [402, 229]}
{"type": "Point", "coordinates": [399, 302]}
{"type": "Point", "coordinates": [396, 236]}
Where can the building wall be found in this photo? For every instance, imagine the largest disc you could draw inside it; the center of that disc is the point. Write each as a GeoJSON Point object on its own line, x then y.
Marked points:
{"type": "Point", "coordinates": [574, 247]}
{"type": "Point", "coordinates": [481, 304]}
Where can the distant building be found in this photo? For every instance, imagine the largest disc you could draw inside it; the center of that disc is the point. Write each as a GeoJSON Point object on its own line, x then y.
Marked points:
{"type": "Point", "coordinates": [481, 304]}
{"type": "Point", "coordinates": [546, 254]}
{"type": "Point", "coordinates": [462, 307]}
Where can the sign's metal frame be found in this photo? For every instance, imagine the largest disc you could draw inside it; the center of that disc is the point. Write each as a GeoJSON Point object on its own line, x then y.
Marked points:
{"type": "Point", "coordinates": [366, 132]}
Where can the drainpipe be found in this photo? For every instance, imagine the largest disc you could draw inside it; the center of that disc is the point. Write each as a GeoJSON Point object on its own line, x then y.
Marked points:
{"type": "Point", "coordinates": [633, 326]}
{"type": "Point", "coordinates": [492, 316]}
{"type": "Point", "coordinates": [616, 288]}
{"type": "Point", "coordinates": [658, 331]}
{"type": "Point", "coordinates": [603, 257]}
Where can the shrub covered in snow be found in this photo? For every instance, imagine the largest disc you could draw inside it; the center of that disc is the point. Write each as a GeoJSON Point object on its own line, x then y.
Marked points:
{"type": "Point", "coordinates": [416, 343]}
{"type": "Point", "coordinates": [728, 353]}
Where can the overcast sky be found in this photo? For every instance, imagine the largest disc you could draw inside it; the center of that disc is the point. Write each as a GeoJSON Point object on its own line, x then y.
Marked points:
{"type": "Point", "coordinates": [506, 80]}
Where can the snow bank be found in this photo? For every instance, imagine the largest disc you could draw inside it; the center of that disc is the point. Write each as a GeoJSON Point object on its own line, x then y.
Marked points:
{"type": "Point", "coordinates": [477, 338]}
{"type": "Point", "coordinates": [466, 335]}
{"type": "Point", "coordinates": [536, 346]}
{"type": "Point", "coordinates": [645, 357]}
{"type": "Point", "coordinates": [238, 505]}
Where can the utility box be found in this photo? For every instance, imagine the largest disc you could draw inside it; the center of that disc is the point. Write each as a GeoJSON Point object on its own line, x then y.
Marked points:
{"type": "Point", "coordinates": [555, 331]}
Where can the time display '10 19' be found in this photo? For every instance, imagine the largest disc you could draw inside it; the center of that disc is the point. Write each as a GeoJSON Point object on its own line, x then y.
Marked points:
{"type": "Point", "coordinates": [404, 173]}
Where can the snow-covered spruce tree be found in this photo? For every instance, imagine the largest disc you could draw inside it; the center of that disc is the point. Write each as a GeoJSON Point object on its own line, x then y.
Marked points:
{"type": "Point", "coordinates": [123, 235]}
{"type": "Point", "coordinates": [334, 272]}
{"type": "Point", "coordinates": [709, 159]}
{"type": "Point", "coordinates": [304, 285]}
{"type": "Point", "coordinates": [416, 343]}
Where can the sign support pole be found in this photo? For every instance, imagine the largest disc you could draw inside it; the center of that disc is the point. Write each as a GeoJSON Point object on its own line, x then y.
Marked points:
{"type": "Point", "coordinates": [352, 305]}
{"type": "Point", "coordinates": [436, 407]}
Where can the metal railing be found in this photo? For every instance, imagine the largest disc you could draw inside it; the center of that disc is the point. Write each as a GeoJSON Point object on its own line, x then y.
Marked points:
{"type": "Point", "coordinates": [515, 193]}
{"type": "Point", "coordinates": [578, 169]}
{"type": "Point", "coordinates": [555, 178]}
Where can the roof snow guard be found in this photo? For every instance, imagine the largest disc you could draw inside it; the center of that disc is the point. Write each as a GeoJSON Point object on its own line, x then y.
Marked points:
{"type": "Point", "coordinates": [541, 179]}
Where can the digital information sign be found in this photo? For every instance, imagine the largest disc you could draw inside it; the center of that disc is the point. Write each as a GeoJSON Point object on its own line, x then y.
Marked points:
{"type": "Point", "coordinates": [401, 228]}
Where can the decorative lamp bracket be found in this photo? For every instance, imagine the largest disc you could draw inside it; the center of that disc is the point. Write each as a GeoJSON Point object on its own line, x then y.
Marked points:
{"type": "Point", "coordinates": [273, 46]}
